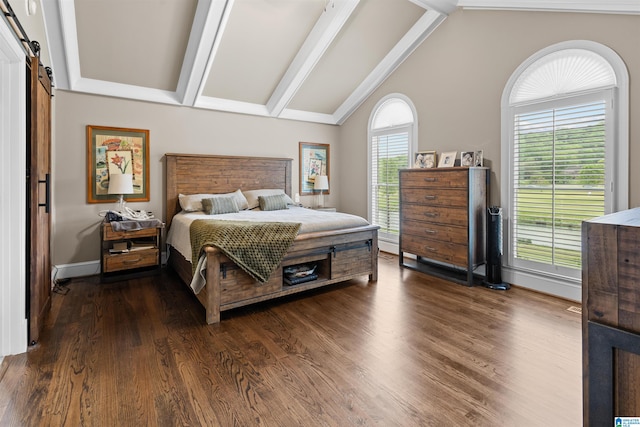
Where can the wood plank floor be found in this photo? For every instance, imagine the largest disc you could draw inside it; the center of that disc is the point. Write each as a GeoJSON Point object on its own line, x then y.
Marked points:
{"type": "Point", "coordinates": [410, 350]}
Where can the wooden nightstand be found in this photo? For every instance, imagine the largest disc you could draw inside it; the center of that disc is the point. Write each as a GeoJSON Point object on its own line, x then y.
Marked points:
{"type": "Point", "coordinates": [129, 253]}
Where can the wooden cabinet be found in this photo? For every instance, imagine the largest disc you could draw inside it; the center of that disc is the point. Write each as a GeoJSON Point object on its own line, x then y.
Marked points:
{"type": "Point", "coordinates": [443, 220]}
{"type": "Point", "coordinates": [129, 252]}
{"type": "Point", "coordinates": [611, 317]}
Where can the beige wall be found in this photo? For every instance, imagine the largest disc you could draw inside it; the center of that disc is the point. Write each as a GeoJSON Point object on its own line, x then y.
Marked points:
{"type": "Point", "coordinates": [171, 130]}
{"type": "Point", "coordinates": [456, 77]}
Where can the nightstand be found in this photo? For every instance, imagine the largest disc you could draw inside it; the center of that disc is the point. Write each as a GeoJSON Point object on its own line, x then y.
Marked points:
{"type": "Point", "coordinates": [130, 251]}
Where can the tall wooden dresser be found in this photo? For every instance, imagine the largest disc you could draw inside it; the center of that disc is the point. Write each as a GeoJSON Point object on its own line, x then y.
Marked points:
{"type": "Point", "coordinates": [611, 317]}
{"type": "Point", "coordinates": [443, 220]}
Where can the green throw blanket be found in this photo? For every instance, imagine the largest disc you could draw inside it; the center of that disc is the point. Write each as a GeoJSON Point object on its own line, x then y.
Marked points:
{"type": "Point", "coordinates": [257, 247]}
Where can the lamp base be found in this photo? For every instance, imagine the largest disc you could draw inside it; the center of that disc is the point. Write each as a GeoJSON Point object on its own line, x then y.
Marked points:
{"type": "Point", "coordinates": [320, 201]}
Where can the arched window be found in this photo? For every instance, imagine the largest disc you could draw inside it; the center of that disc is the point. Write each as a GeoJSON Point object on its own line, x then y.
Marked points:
{"type": "Point", "coordinates": [564, 112]}
{"type": "Point", "coordinates": [392, 130]}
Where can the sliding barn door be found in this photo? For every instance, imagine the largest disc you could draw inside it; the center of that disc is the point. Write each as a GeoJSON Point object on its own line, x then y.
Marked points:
{"type": "Point", "coordinates": [39, 197]}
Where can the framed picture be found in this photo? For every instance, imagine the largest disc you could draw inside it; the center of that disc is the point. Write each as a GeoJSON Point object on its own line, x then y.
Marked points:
{"type": "Point", "coordinates": [478, 159]}
{"type": "Point", "coordinates": [424, 159]}
{"type": "Point", "coordinates": [112, 150]}
{"type": "Point", "coordinates": [447, 159]}
{"type": "Point", "coordinates": [314, 161]}
{"type": "Point", "coordinates": [467, 159]}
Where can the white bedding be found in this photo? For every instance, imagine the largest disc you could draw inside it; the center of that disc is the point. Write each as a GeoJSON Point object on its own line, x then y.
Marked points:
{"type": "Point", "coordinates": [311, 220]}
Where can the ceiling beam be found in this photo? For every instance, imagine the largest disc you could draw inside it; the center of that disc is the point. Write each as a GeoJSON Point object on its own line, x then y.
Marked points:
{"type": "Point", "coordinates": [596, 6]}
{"type": "Point", "coordinates": [326, 29]}
{"type": "Point", "coordinates": [208, 25]}
{"type": "Point", "coordinates": [445, 7]}
{"type": "Point", "coordinates": [414, 37]}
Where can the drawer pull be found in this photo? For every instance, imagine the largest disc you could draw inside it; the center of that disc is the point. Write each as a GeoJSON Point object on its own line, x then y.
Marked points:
{"type": "Point", "coordinates": [431, 214]}
{"type": "Point", "coordinates": [131, 261]}
{"type": "Point", "coordinates": [430, 249]}
{"type": "Point", "coordinates": [430, 197]}
{"type": "Point", "coordinates": [430, 231]}
{"type": "Point", "coordinates": [430, 179]}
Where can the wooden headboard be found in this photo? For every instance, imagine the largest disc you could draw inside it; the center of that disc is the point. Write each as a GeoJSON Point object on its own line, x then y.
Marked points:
{"type": "Point", "coordinates": [211, 174]}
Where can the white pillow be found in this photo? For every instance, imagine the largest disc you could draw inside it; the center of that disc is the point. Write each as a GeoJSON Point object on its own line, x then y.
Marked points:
{"type": "Point", "coordinates": [193, 202]}
{"type": "Point", "coordinates": [252, 196]}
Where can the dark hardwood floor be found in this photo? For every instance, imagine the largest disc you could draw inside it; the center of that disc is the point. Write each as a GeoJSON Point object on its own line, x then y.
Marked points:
{"type": "Point", "coordinates": [410, 350]}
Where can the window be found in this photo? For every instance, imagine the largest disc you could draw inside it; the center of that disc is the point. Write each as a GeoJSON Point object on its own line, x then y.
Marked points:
{"type": "Point", "coordinates": [562, 117]}
{"type": "Point", "coordinates": [391, 143]}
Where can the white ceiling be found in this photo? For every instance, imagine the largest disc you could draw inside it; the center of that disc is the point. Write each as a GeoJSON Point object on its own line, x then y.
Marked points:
{"type": "Point", "coordinates": [311, 60]}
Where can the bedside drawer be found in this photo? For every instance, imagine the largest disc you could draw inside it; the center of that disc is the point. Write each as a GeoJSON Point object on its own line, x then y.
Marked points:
{"type": "Point", "coordinates": [434, 178]}
{"type": "Point", "coordinates": [456, 197]}
{"type": "Point", "coordinates": [110, 234]}
{"type": "Point", "coordinates": [136, 259]}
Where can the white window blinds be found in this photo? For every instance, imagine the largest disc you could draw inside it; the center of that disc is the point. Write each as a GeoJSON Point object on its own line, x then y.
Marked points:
{"type": "Point", "coordinates": [559, 181]}
{"type": "Point", "coordinates": [389, 152]}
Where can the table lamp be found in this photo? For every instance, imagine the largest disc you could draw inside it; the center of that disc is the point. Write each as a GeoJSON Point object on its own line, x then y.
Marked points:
{"type": "Point", "coordinates": [121, 184]}
{"type": "Point", "coordinates": [321, 183]}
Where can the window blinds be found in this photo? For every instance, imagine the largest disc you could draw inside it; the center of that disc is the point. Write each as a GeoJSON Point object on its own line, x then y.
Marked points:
{"type": "Point", "coordinates": [559, 177]}
{"type": "Point", "coordinates": [389, 153]}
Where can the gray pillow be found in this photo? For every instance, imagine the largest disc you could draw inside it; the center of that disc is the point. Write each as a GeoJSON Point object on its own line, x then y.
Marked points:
{"type": "Point", "coordinates": [220, 205]}
{"type": "Point", "coordinates": [274, 202]}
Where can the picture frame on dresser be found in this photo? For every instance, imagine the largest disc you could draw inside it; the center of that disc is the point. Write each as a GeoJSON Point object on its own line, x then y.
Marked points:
{"type": "Point", "coordinates": [447, 159]}
{"type": "Point", "coordinates": [467, 159]}
{"type": "Point", "coordinates": [424, 159]}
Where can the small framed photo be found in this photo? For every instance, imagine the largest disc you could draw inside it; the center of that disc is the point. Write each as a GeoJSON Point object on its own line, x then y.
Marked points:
{"type": "Point", "coordinates": [478, 159]}
{"type": "Point", "coordinates": [466, 159]}
{"type": "Point", "coordinates": [424, 159]}
{"type": "Point", "coordinates": [447, 159]}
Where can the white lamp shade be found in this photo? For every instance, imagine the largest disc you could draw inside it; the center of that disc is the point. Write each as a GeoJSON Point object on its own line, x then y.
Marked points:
{"type": "Point", "coordinates": [321, 182]}
{"type": "Point", "coordinates": [120, 184]}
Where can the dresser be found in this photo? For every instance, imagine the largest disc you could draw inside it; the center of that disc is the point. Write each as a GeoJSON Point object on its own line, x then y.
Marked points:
{"type": "Point", "coordinates": [443, 221]}
{"type": "Point", "coordinates": [611, 317]}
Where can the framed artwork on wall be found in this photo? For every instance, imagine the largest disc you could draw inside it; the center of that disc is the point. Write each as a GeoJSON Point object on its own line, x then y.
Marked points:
{"type": "Point", "coordinates": [113, 150]}
{"type": "Point", "coordinates": [314, 161]}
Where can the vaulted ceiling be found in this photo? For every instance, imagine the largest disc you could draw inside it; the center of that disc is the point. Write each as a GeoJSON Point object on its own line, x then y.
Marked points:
{"type": "Point", "coordinates": [310, 60]}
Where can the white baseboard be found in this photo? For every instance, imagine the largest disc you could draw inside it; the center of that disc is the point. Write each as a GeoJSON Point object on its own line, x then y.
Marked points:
{"type": "Point", "coordinates": [81, 269]}
{"type": "Point", "coordinates": [78, 269]}
{"type": "Point", "coordinates": [547, 285]}
{"type": "Point", "coordinates": [562, 288]}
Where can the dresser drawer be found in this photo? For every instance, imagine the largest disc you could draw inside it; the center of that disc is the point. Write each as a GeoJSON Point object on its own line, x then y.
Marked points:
{"type": "Point", "coordinates": [435, 178]}
{"type": "Point", "coordinates": [450, 253]}
{"type": "Point", "coordinates": [435, 214]}
{"type": "Point", "coordinates": [110, 234]}
{"type": "Point", "coordinates": [456, 197]}
{"type": "Point", "coordinates": [136, 259]}
{"type": "Point", "coordinates": [432, 231]}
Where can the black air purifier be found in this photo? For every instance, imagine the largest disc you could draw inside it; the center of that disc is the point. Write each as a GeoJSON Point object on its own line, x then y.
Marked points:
{"type": "Point", "coordinates": [494, 250]}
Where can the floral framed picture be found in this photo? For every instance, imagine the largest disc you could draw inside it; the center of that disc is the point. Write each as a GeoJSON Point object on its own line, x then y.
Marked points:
{"type": "Point", "coordinates": [314, 161]}
{"type": "Point", "coordinates": [424, 159]}
{"type": "Point", "coordinates": [113, 150]}
{"type": "Point", "coordinates": [447, 159]}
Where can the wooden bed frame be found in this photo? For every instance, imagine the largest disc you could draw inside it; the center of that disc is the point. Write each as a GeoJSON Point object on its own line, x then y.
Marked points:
{"type": "Point", "coordinates": [340, 255]}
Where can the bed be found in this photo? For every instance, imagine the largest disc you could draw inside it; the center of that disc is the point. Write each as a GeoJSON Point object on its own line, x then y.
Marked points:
{"type": "Point", "coordinates": [337, 255]}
